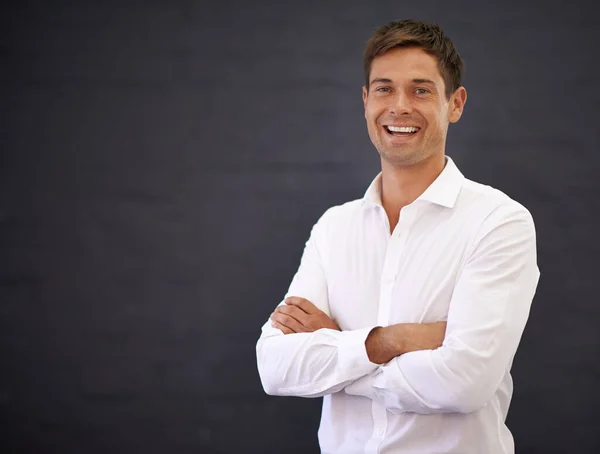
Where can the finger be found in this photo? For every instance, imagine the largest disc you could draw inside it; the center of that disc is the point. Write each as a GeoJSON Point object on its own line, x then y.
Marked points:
{"type": "Point", "coordinates": [294, 312]}
{"type": "Point", "coordinates": [302, 303]}
{"type": "Point", "coordinates": [284, 329]}
{"type": "Point", "coordinates": [294, 300]}
{"type": "Point", "coordinates": [288, 321]}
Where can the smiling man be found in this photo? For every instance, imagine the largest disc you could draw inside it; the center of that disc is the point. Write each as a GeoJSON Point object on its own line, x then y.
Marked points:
{"type": "Point", "coordinates": [409, 304]}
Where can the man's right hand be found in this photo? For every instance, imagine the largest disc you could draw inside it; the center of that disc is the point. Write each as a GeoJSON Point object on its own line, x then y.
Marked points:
{"type": "Point", "coordinates": [385, 343]}
{"type": "Point", "coordinates": [298, 315]}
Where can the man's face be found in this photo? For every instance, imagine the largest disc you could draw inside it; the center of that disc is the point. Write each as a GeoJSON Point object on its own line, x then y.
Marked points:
{"type": "Point", "coordinates": [406, 108]}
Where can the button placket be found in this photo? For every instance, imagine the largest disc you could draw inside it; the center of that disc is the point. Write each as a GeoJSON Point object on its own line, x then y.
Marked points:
{"type": "Point", "coordinates": [391, 264]}
{"type": "Point", "coordinates": [379, 428]}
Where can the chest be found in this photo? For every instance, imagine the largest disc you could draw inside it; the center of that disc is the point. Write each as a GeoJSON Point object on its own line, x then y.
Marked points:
{"type": "Point", "coordinates": [375, 278]}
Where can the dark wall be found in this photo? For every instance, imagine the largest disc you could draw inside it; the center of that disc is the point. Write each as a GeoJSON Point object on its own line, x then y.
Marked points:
{"type": "Point", "coordinates": [162, 163]}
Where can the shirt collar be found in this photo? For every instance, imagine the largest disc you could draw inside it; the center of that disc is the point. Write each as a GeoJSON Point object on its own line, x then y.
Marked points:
{"type": "Point", "coordinates": [443, 191]}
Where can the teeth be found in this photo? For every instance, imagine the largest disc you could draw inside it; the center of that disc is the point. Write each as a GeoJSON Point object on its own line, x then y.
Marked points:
{"type": "Point", "coordinates": [402, 129]}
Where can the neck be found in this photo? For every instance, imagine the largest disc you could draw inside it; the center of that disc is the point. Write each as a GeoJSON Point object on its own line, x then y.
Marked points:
{"type": "Point", "coordinates": [402, 185]}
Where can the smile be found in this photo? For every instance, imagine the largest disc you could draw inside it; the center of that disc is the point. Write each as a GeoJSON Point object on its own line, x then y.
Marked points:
{"type": "Point", "coordinates": [401, 130]}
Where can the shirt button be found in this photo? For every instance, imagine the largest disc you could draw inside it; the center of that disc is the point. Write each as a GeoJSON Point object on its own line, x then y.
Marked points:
{"type": "Point", "coordinates": [380, 432]}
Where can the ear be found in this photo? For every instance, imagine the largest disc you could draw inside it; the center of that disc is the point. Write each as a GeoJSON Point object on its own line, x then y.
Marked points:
{"type": "Point", "coordinates": [457, 104]}
{"type": "Point", "coordinates": [365, 95]}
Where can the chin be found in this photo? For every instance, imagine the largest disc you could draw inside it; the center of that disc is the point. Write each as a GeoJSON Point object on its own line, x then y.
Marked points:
{"type": "Point", "coordinates": [401, 158]}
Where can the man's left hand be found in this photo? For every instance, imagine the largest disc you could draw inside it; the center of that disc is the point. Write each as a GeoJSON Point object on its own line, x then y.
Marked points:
{"type": "Point", "coordinates": [298, 315]}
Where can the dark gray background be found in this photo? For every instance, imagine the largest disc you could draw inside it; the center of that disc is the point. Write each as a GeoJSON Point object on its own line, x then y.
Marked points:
{"type": "Point", "coordinates": [161, 166]}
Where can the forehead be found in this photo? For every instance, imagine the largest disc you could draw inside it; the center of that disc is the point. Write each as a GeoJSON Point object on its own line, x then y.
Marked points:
{"type": "Point", "coordinates": [406, 63]}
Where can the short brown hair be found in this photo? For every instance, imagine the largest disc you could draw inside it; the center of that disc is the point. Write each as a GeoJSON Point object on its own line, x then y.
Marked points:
{"type": "Point", "coordinates": [411, 33]}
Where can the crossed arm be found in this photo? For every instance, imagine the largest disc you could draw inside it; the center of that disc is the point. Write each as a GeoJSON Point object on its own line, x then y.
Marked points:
{"type": "Point", "coordinates": [298, 315]}
{"type": "Point", "coordinates": [304, 353]}
{"type": "Point", "coordinates": [423, 368]}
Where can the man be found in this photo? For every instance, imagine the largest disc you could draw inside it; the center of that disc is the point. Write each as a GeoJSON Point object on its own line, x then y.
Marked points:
{"type": "Point", "coordinates": [409, 304]}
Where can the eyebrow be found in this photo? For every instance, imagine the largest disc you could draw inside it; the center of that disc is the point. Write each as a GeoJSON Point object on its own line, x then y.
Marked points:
{"type": "Point", "coordinates": [383, 80]}
{"type": "Point", "coordinates": [423, 81]}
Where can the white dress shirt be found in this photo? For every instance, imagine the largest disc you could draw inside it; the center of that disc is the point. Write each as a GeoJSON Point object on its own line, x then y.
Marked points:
{"type": "Point", "coordinates": [462, 252]}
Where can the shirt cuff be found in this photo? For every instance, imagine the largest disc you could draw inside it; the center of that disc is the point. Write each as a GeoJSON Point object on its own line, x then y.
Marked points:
{"type": "Point", "coordinates": [352, 352]}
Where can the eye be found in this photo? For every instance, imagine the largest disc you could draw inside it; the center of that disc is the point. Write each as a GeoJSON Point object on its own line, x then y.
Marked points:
{"type": "Point", "coordinates": [421, 91]}
{"type": "Point", "coordinates": [382, 89]}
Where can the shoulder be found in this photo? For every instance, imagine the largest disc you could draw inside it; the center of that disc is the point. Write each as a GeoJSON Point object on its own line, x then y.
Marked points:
{"type": "Point", "coordinates": [340, 214]}
{"type": "Point", "coordinates": [491, 208]}
{"type": "Point", "coordinates": [337, 220]}
{"type": "Point", "coordinates": [487, 199]}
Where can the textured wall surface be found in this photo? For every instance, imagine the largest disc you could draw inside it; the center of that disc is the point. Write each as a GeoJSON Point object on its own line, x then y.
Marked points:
{"type": "Point", "coordinates": [161, 164]}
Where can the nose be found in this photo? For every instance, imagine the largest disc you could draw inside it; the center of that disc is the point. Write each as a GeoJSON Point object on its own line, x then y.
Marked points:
{"type": "Point", "coordinates": [400, 104]}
